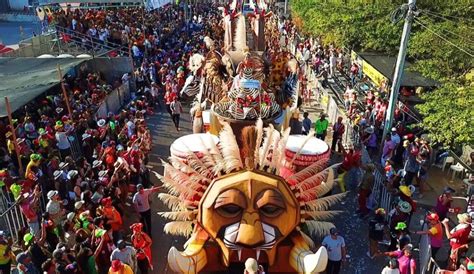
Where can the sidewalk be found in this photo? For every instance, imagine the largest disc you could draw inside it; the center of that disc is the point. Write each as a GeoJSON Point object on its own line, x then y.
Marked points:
{"type": "Point", "coordinates": [355, 230]}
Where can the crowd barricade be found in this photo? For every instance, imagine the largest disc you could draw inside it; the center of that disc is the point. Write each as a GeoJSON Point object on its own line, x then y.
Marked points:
{"type": "Point", "coordinates": [114, 101]}
{"type": "Point", "coordinates": [76, 149]}
{"type": "Point", "coordinates": [381, 196]}
{"type": "Point", "coordinates": [11, 219]}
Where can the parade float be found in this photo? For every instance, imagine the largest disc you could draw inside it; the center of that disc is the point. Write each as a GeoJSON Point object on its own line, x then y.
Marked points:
{"type": "Point", "coordinates": [249, 191]}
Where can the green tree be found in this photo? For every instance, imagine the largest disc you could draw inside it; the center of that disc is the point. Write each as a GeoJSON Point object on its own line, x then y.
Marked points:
{"type": "Point", "coordinates": [441, 47]}
{"type": "Point", "coordinates": [449, 114]}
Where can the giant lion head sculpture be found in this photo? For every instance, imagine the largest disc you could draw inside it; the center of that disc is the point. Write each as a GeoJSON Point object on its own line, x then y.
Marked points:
{"type": "Point", "coordinates": [236, 203]}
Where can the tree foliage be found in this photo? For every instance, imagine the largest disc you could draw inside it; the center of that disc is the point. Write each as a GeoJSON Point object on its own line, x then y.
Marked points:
{"type": "Point", "coordinates": [449, 114]}
{"type": "Point", "coordinates": [365, 25]}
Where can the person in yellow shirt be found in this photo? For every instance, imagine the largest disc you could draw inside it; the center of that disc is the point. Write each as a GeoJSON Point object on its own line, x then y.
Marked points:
{"type": "Point", "coordinates": [120, 268]}
{"type": "Point", "coordinates": [35, 160]}
{"type": "Point", "coordinates": [10, 144]}
{"type": "Point", "coordinates": [5, 254]}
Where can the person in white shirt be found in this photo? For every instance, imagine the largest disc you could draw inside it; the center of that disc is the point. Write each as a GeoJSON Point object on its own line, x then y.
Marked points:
{"type": "Point", "coordinates": [336, 248]}
{"type": "Point", "coordinates": [142, 205]}
{"type": "Point", "coordinates": [176, 110]}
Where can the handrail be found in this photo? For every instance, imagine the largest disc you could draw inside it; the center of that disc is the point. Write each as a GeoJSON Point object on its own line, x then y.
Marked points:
{"type": "Point", "coordinates": [107, 46]}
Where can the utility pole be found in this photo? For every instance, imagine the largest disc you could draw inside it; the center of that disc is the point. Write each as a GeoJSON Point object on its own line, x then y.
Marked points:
{"type": "Point", "coordinates": [286, 7]}
{"type": "Point", "coordinates": [399, 68]}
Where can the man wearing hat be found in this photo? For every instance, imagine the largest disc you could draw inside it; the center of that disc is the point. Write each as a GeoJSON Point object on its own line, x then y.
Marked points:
{"type": "Point", "coordinates": [321, 126]}
{"type": "Point", "coordinates": [126, 254]}
{"type": "Point", "coordinates": [54, 207]}
{"type": "Point", "coordinates": [142, 205]}
{"type": "Point", "coordinates": [336, 247]}
{"type": "Point", "coordinates": [399, 214]}
{"type": "Point", "coordinates": [435, 232]}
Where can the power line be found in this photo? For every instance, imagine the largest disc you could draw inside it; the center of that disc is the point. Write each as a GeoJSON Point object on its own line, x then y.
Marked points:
{"type": "Point", "coordinates": [446, 16]}
{"type": "Point", "coordinates": [429, 13]}
{"type": "Point", "coordinates": [455, 34]}
{"type": "Point", "coordinates": [443, 38]}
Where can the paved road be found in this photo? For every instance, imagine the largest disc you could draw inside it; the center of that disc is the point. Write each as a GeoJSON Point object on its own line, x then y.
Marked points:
{"type": "Point", "coordinates": [164, 133]}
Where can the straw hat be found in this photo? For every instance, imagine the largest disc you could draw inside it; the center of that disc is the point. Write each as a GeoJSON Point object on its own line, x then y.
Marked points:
{"type": "Point", "coordinates": [405, 190]}
{"type": "Point", "coordinates": [52, 193]}
{"type": "Point", "coordinates": [96, 163]}
{"type": "Point", "coordinates": [405, 207]}
{"type": "Point", "coordinates": [57, 174]}
{"type": "Point", "coordinates": [101, 123]}
{"type": "Point", "coordinates": [464, 218]}
{"type": "Point", "coordinates": [79, 204]}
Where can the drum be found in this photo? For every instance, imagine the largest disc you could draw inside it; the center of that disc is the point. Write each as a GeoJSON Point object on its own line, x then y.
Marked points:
{"type": "Point", "coordinates": [314, 150]}
{"type": "Point", "coordinates": [197, 143]}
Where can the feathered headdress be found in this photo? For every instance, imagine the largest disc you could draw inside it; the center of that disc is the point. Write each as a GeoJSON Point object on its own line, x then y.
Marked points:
{"type": "Point", "coordinates": [187, 178]}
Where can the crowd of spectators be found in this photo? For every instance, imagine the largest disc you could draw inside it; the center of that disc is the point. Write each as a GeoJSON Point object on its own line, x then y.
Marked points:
{"type": "Point", "coordinates": [82, 172]}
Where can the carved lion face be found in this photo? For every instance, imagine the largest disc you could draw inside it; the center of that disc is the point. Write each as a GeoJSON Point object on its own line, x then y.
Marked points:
{"type": "Point", "coordinates": [248, 212]}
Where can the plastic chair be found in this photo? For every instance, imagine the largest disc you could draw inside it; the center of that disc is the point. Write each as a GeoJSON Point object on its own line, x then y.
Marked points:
{"type": "Point", "coordinates": [455, 169]}
{"type": "Point", "coordinates": [447, 160]}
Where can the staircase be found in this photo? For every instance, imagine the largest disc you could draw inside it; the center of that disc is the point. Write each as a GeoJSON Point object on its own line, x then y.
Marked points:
{"type": "Point", "coordinates": [73, 42]}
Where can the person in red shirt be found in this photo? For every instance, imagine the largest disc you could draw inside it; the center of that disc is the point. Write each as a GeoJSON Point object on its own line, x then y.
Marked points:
{"type": "Point", "coordinates": [29, 206]}
{"type": "Point", "coordinates": [142, 243]}
{"type": "Point", "coordinates": [458, 237]}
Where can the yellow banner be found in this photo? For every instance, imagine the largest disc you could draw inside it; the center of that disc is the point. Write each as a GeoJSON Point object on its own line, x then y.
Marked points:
{"type": "Point", "coordinates": [373, 74]}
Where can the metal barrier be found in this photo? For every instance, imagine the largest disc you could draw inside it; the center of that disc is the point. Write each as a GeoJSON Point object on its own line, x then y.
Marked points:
{"type": "Point", "coordinates": [12, 218]}
{"type": "Point", "coordinates": [425, 251]}
{"type": "Point", "coordinates": [114, 101]}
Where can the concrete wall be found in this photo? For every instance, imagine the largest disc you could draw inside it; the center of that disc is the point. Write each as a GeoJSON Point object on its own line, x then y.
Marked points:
{"type": "Point", "coordinates": [18, 4]}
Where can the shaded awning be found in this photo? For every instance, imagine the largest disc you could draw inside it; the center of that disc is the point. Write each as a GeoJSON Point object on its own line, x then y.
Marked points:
{"type": "Point", "coordinates": [24, 79]}
{"type": "Point", "coordinates": [384, 66]}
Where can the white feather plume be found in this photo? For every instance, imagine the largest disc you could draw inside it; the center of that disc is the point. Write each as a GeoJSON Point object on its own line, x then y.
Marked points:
{"type": "Point", "coordinates": [280, 152]}
{"type": "Point", "coordinates": [216, 154]}
{"type": "Point", "coordinates": [240, 37]}
{"type": "Point", "coordinates": [325, 203]}
{"type": "Point", "coordinates": [230, 149]}
{"type": "Point", "coordinates": [172, 202]}
{"type": "Point", "coordinates": [267, 140]}
{"type": "Point", "coordinates": [180, 228]}
{"type": "Point", "coordinates": [272, 163]}
{"type": "Point", "coordinates": [318, 229]}
{"type": "Point", "coordinates": [178, 215]}
{"type": "Point", "coordinates": [258, 143]}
